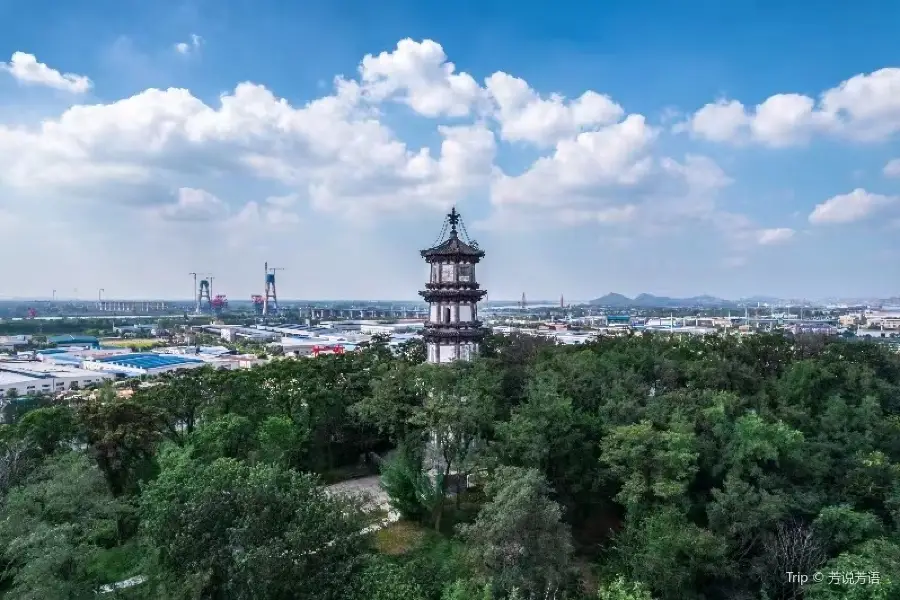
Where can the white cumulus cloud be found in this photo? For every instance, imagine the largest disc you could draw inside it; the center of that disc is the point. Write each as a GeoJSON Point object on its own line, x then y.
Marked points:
{"type": "Point", "coordinates": [595, 163]}
{"type": "Point", "coordinates": [582, 166]}
{"type": "Point", "coordinates": [26, 69]}
{"type": "Point", "coordinates": [189, 47]}
{"type": "Point", "coordinates": [247, 166]}
{"type": "Point", "coordinates": [892, 168]}
{"type": "Point", "coordinates": [778, 235]}
{"type": "Point", "coordinates": [848, 208]}
{"type": "Point", "coordinates": [330, 149]}
{"type": "Point", "coordinates": [194, 205]}
{"type": "Point", "coordinates": [524, 116]}
{"type": "Point", "coordinates": [865, 107]}
{"type": "Point", "coordinates": [419, 73]}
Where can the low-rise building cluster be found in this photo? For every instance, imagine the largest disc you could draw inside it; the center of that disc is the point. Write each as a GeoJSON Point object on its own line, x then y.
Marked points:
{"type": "Point", "coordinates": [31, 377]}
{"type": "Point", "coordinates": [57, 370]}
{"type": "Point", "coordinates": [80, 361]}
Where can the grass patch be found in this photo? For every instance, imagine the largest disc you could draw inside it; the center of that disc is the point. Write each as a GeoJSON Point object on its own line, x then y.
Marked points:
{"type": "Point", "coordinates": [399, 538]}
{"type": "Point", "coordinates": [434, 561]}
{"type": "Point", "coordinates": [141, 344]}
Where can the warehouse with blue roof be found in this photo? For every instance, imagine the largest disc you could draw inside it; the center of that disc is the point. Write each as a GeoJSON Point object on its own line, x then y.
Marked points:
{"type": "Point", "coordinates": [143, 363]}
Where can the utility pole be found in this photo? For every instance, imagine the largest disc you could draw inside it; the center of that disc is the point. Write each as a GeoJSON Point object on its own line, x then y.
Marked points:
{"type": "Point", "coordinates": [195, 295]}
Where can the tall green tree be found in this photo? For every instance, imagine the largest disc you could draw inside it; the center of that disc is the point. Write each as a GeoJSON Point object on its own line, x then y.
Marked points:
{"type": "Point", "coordinates": [518, 541]}
{"type": "Point", "coordinates": [652, 465]}
{"type": "Point", "coordinates": [870, 571]}
{"type": "Point", "coordinates": [181, 398]}
{"type": "Point", "coordinates": [230, 530]}
{"type": "Point", "coordinates": [122, 436]}
{"type": "Point", "coordinates": [49, 428]}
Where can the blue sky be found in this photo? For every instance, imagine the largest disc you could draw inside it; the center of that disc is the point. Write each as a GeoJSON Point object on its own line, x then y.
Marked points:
{"type": "Point", "coordinates": [675, 148]}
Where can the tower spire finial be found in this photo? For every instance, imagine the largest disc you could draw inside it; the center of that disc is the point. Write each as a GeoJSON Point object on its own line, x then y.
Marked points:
{"type": "Point", "coordinates": [453, 219]}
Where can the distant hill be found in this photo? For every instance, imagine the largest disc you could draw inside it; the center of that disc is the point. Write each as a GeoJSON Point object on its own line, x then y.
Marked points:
{"type": "Point", "coordinates": [612, 300]}
{"type": "Point", "coordinates": [754, 300]}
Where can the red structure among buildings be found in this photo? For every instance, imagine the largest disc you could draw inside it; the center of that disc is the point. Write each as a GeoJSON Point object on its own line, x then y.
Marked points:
{"type": "Point", "coordinates": [258, 302]}
{"type": "Point", "coordinates": [219, 303]}
{"type": "Point", "coordinates": [319, 350]}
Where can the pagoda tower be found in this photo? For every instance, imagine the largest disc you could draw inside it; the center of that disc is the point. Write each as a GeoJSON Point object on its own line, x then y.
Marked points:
{"type": "Point", "coordinates": [453, 331]}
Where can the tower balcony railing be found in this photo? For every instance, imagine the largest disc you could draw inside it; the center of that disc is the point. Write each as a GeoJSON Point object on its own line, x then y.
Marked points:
{"type": "Point", "coordinates": [465, 334]}
{"type": "Point", "coordinates": [451, 285]}
{"type": "Point", "coordinates": [454, 325]}
{"type": "Point", "coordinates": [452, 295]}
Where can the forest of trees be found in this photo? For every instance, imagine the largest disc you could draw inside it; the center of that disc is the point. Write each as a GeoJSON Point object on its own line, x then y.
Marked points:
{"type": "Point", "coordinates": [634, 468]}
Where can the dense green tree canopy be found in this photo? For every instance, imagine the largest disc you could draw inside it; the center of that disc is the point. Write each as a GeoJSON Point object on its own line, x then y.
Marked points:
{"type": "Point", "coordinates": [636, 468]}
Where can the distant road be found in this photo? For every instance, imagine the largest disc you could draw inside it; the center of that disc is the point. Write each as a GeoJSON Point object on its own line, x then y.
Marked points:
{"type": "Point", "coordinates": [95, 317]}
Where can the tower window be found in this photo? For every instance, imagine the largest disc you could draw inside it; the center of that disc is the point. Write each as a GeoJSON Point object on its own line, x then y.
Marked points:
{"type": "Point", "coordinates": [465, 273]}
{"type": "Point", "coordinates": [446, 314]}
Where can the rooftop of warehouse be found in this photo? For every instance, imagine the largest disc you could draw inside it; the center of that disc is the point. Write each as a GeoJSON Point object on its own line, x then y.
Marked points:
{"type": "Point", "coordinates": [148, 360]}
{"type": "Point", "coordinates": [73, 339]}
{"type": "Point", "coordinates": [43, 369]}
{"type": "Point", "coordinates": [15, 378]}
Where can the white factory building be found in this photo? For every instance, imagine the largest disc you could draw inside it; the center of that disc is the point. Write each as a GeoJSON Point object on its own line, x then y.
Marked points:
{"type": "Point", "coordinates": [234, 333]}
{"type": "Point", "coordinates": [11, 342]}
{"type": "Point", "coordinates": [29, 377]}
{"type": "Point", "coordinates": [309, 346]}
{"type": "Point", "coordinates": [366, 327]}
{"type": "Point", "coordinates": [883, 320]}
{"type": "Point", "coordinates": [303, 340]}
{"type": "Point", "coordinates": [122, 362]}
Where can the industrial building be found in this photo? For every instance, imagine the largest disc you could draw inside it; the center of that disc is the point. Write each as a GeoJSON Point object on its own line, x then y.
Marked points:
{"type": "Point", "coordinates": [142, 363]}
{"type": "Point", "coordinates": [812, 328]}
{"type": "Point", "coordinates": [883, 320]}
{"type": "Point", "coordinates": [878, 333]}
{"type": "Point", "coordinates": [74, 340]}
{"type": "Point", "coordinates": [77, 354]}
{"type": "Point", "coordinates": [232, 333]}
{"type": "Point", "coordinates": [561, 336]}
{"type": "Point", "coordinates": [11, 342]}
{"type": "Point", "coordinates": [29, 377]}
{"type": "Point", "coordinates": [313, 346]}
{"type": "Point", "coordinates": [201, 352]}
{"type": "Point", "coordinates": [376, 328]}
{"type": "Point", "coordinates": [121, 362]}
{"type": "Point", "coordinates": [137, 329]}
{"type": "Point", "coordinates": [236, 361]}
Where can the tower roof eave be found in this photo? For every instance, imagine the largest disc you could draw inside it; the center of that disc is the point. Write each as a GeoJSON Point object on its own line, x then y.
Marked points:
{"type": "Point", "coordinates": [453, 247]}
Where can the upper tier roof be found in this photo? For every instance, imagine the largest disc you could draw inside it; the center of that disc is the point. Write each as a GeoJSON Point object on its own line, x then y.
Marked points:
{"type": "Point", "coordinates": [452, 246]}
